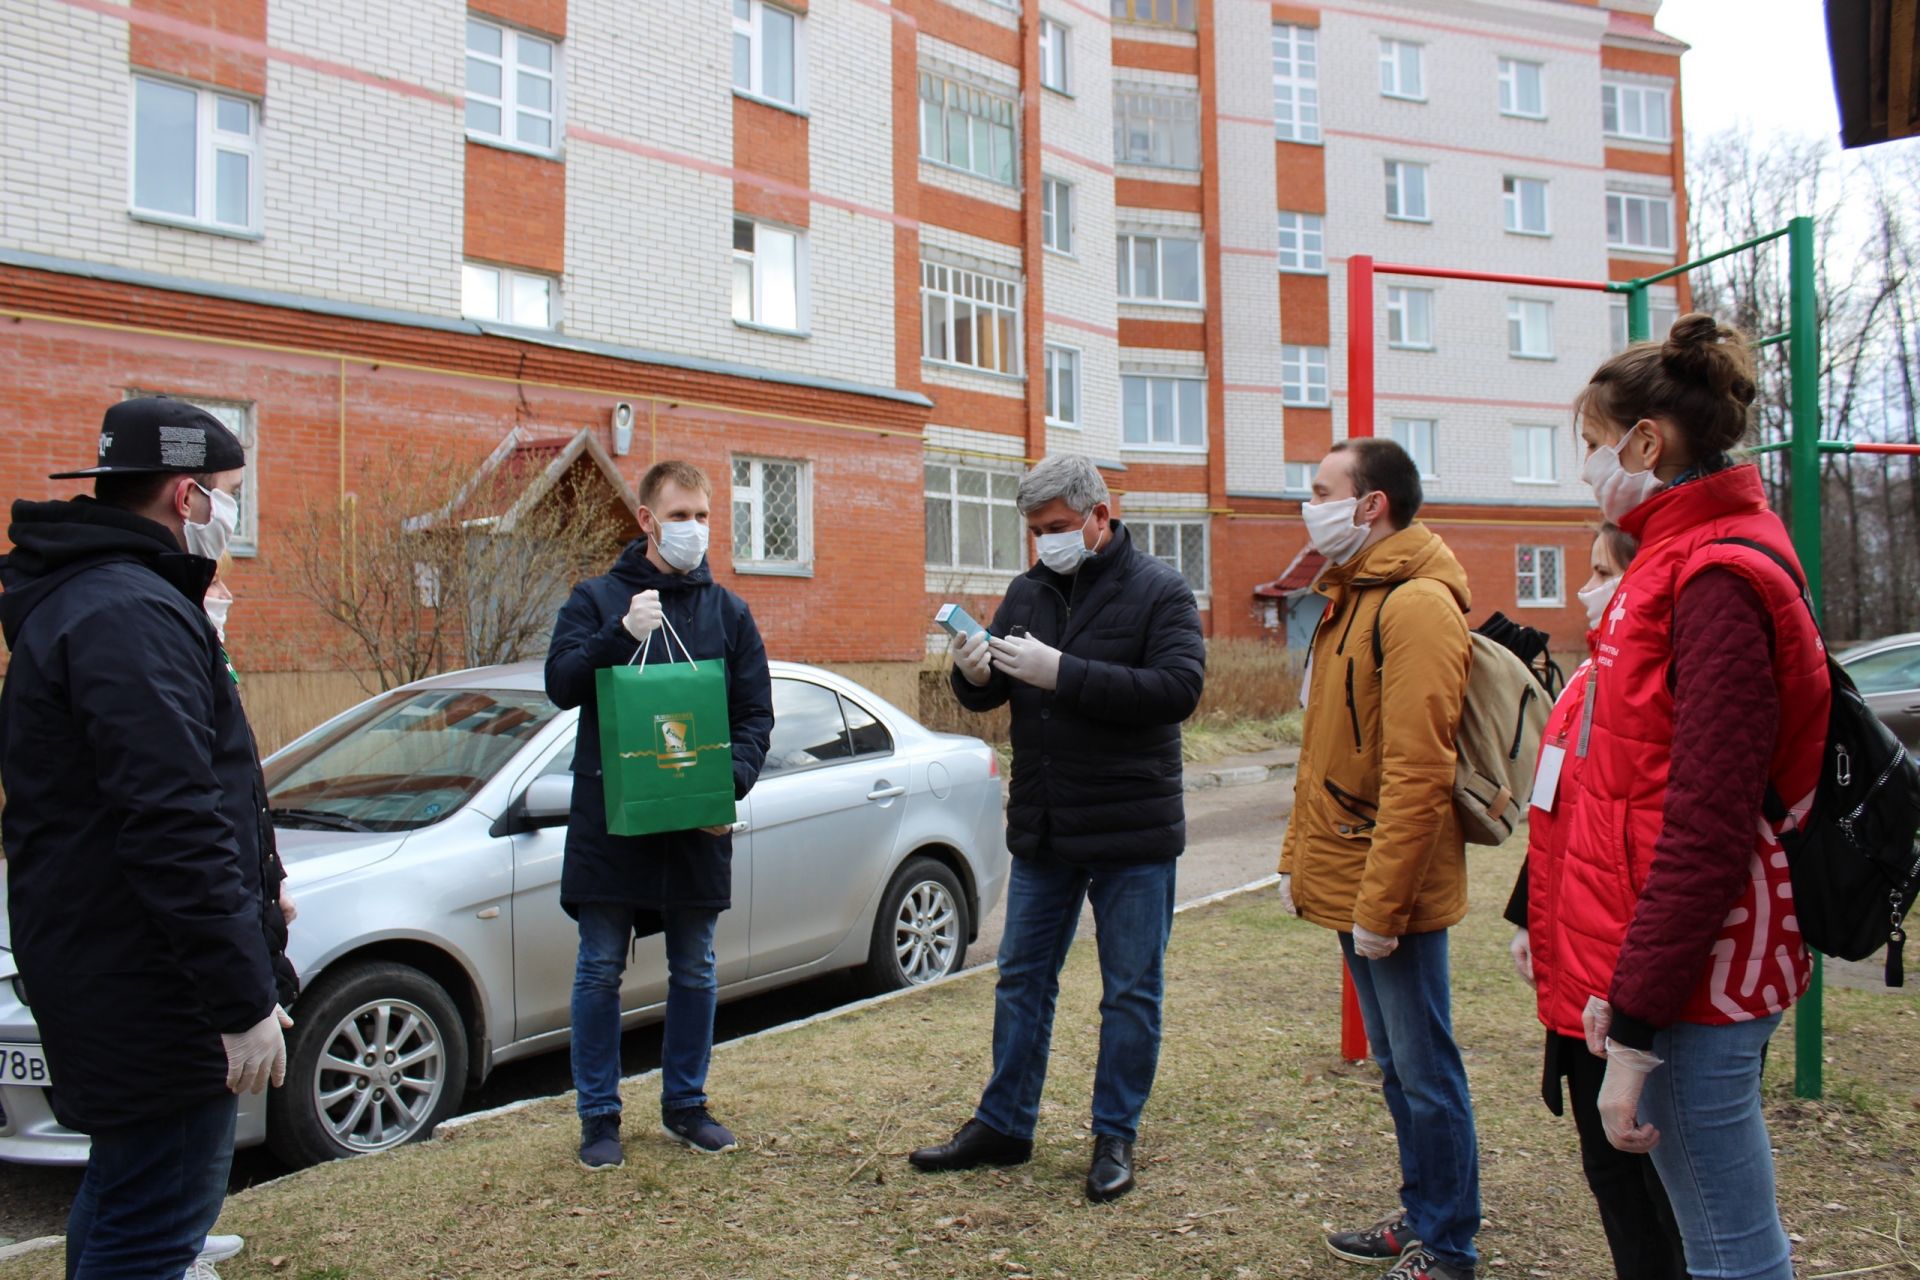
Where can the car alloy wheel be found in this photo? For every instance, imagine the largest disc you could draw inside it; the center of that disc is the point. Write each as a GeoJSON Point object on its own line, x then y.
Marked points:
{"type": "Point", "coordinates": [379, 1075]}
{"type": "Point", "coordinates": [926, 933]}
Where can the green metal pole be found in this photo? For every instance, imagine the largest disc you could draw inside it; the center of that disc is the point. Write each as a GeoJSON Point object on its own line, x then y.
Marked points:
{"type": "Point", "coordinates": [1639, 314]}
{"type": "Point", "coordinates": [1803, 363]}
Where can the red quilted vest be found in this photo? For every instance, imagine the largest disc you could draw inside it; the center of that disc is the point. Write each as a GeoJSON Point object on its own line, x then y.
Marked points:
{"type": "Point", "coordinates": [1558, 977]}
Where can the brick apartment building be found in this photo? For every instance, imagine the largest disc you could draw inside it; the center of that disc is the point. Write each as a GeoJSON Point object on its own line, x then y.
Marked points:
{"type": "Point", "coordinates": [861, 259]}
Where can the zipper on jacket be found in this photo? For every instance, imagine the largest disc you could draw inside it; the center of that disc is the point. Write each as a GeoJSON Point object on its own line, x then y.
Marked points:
{"type": "Point", "coordinates": [1353, 711]}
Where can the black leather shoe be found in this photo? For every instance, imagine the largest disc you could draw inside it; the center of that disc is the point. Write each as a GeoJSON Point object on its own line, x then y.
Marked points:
{"type": "Point", "coordinates": [975, 1145]}
{"type": "Point", "coordinates": [1111, 1174]}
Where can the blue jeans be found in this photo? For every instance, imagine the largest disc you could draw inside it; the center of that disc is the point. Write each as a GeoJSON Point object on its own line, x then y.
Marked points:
{"type": "Point", "coordinates": [1714, 1158]}
{"type": "Point", "coordinates": [1406, 1003]}
{"type": "Point", "coordinates": [686, 1043]}
{"type": "Point", "coordinates": [151, 1193]}
{"type": "Point", "coordinates": [1132, 916]}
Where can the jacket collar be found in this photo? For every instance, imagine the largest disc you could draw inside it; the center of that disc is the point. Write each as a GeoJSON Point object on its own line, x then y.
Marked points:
{"type": "Point", "coordinates": [635, 570]}
{"type": "Point", "coordinates": [50, 538]}
{"type": "Point", "coordinates": [1674, 510]}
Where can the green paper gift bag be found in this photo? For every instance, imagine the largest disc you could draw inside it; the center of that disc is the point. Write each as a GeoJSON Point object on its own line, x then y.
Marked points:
{"type": "Point", "coordinates": [665, 744]}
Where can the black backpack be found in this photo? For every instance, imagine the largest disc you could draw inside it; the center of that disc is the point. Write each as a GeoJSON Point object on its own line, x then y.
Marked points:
{"type": "Point", "coordinates": [1855, 861]}
{"type": "Point", "coordinates": [1532, 646]}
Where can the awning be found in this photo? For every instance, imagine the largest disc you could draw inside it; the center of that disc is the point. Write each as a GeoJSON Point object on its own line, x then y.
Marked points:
{"type": "Point", "coordinates": [1875, 49]}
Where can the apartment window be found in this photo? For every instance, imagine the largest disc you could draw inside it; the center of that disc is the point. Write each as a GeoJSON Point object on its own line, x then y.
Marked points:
{"type": "Point", "coordinates": [1303, 376]}
{"type": "Point", "coordinates": [1661, 316]}
{"type": "Point", "coordinates": [970, 319]}
{"type": "Point", "coordinates": [506, 296]}
{"type": "Point", "coordinates": [768, 268]}
{"type": "Point", "coordinates": [1158, 129]}
{"type": "Point", "coordinates": [512, 87]}
{"type": "Point", "coordinates": [1415, 435]}
{"type": "Point", "coordinates": [1063, 386]}
{"type": "Point", "coordinates": [1407, 191]}
{"type": "Point", "coordinates": [1159, 269]}
{"type": "Point", "coordinates": [966, 127]}
{"type": "Point", "coordinates": [1303, 238]}
{"type": "Point", "coordinates": [772, 514]}
{"type": "Point", "coordinates": [195, 156]}
{"type": "Point", "coordinates": [1155, 13]}
{"type": "Point", "coordinates": [1181, 544]}
{"type": "Point", "coordinates": [1636, 111]}
{"type": "Point", "coordinates": [1163, 413]}
{"type": "Point", "coordinates": [1529, 329]}
{"type": "Point", "coordinates": [1533, 455]}
{"type": "Point", "coordinates": [768, 52]}
{"type": "Point", "coordinates": [972, 522]}
{"type": "Point", "coordinates": [1410, 318]}
{"type": "Point", "coordinates": [1401, 71]}
{"type": "Point", "coordinates": [1053, 55]}
{"type": "Point", "coordinates": [1526, 205]}
{"type": "Point", "coordinates": [1056, 215]}
{"type": "Point", "coordinates": [1299, 476]}
{"type": "Point", "coordinates": [1642, 223]}
{"type": "Point", "coordinates": [1537, 576]}
{"type": "Point", "coordinates": [1296, 83]}
{"type": "Point", "coordinates": [1522, 90]}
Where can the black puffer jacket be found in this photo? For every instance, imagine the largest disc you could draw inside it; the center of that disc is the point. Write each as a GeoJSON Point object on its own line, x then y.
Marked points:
{"type": "Point", "coordinates": [675, 868]}
{"type": "Point", "coordinates": [138, 848]}
{"type": "Point", "coordinates": [1096, 762]}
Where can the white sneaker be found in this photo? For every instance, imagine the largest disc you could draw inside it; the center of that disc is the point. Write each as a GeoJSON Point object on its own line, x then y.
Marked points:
{"type": "Point", "coordinates": [201, 1270]}
{"type": "Point", "coordinates": [220, 1248]}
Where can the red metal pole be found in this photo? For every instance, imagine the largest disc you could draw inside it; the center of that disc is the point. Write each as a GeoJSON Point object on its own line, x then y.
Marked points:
{"type": "Point", "coordinates": [1494, 277]}
{"type": "Point", "coordinates": [1353, 1032]}
{"type": "Point", "coordinates": [1360, 345]}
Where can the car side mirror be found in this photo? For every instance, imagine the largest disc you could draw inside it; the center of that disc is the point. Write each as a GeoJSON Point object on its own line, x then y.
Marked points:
{"type": "Point", "coordinates": [549, 800]}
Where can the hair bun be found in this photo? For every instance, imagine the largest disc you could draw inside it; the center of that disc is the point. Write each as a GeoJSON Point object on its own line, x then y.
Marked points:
{"type": "Point", "coordinates": [1701, 350]}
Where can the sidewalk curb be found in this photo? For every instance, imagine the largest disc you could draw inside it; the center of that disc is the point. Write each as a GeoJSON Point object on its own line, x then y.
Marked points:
{"type": "Point", "coordinates": [35, 1245]}
{"type": "Point", "coordinates": [1245, 775]}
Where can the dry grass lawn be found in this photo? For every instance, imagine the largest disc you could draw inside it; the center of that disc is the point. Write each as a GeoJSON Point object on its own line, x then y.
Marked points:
{"type": "Point", "coordinates": [1255, 1138]}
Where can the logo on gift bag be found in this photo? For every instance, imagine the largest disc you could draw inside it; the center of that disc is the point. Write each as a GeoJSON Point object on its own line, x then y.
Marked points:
{"type": "Point", "coordinates": [671, 734]}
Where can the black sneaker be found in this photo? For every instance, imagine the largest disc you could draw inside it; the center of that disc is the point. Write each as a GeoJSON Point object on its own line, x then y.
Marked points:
{"type": "Point", "coordinates": [1419, 1263]}
{"type": "Point", "coordinates": [1384, 1241]}
{"type": "Point", "coordinates": [600, 1143]}
{"type": "Point", "coordinates": [694, 1127]}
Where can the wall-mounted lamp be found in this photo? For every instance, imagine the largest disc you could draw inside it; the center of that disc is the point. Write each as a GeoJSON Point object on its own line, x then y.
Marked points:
{"type": "Point", "coordinates": [622, 429]}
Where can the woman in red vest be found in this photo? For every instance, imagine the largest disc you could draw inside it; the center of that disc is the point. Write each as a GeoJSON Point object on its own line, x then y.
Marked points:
{"type": "Point", "coordinates": [1699, 743]}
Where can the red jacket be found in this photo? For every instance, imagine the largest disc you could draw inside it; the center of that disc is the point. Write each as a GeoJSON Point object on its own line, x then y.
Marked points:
{"type": "Point", "coordinates": [1613, 807]}
{"type": "Point", "coordinates": [1564, 971]}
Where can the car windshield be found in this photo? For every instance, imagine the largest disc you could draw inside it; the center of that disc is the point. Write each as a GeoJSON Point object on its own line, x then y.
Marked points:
{"type": "Point", "coordinates": [403, 761]}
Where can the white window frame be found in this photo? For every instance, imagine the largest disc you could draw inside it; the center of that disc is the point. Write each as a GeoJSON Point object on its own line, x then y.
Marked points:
{"type": "Point", "coordinates": [751, 496]}
{"type": "Point", "coordinates": [1182, 440]}
{"type": "Point", "coordinates": [1017, 559]}
{"type": "Point", "coordinates": [1298, 477]}
{"type": "Point", "coordinates": [1523, 577]}
{"type": "Point", "coordinates": [1514, 205]}
{"type": "Point", "coordinates": [1146, 533]}
{"type": "Point", "coordinates": [1296, 83]}
{"type": "Point", "coordinates": [1303, 243]}
{"type": "Point", "coordinates": [988, 113]}
{"type": "Point", "coordinates": [1420, 437]}
{"type": "Point", "coordinates": [1167, 116]}
{"type": "Point", "coordinates": [1618, 203]}
{"type": "Point", "coordinates": [508, 101]}
{"type": "Point", "coordinates": [1130, 245]}
{"type": "Point", "coordinates": [1399, 189]}
{"type": "Point", "coordinates": [1056, 56]}
{"type": "Point", "coordinates": [1510, 85]}
{"type": "Point", "coordinates": [754, 257]}
{"type": "Point", "coordinates": [944, 290]}
{"type": "Point", "coordinates": [1061, 369]}
{"type": "Point", "coordinates": [209, 141]}
{"type": "Point", "coordinates": [1662, 313]}
{"type": "Point", "coordinates": [1523, 312]}
{"type": "Point", "coordinates": [1614, 95]}
{"type": "Point", "coordinates": [1056, 215]}
{"type": "Point", "coordinates": [240, 417]}
{"type": "Point", "coordinates": [1395, 70]}
{"type": "Point", "coordinates": [1542, 445]}
{"type": "Point", "coordinates": [503, 293]}
{"type": "Point", "coordinates": [1410, 311]}
{"type": "Point", "coordinates": [1303, 377]}
{"type": "Point", "coordinates": [753, 27]}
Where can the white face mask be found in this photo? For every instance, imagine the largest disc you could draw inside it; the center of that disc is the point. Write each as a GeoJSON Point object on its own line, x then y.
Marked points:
{"type": "Point", "coordinates": [1064, 552]}
{"type": "Point", "coordinates": [217, 610]}
{"type": "Point", "coordinates": [1331, 529]}
{"type": "Point", "coordinates": [211, 538]}
{"type": "Point", "coordinates": [1596, 599]}
{"type": "Point", "coordinates": [683, 543]}
{"type": "Point", "coordinates": [1617, 489]}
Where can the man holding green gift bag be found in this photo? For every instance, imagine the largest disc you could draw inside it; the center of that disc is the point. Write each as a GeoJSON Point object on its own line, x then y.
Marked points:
{"type": "Point", "coordinates": [663, 864]}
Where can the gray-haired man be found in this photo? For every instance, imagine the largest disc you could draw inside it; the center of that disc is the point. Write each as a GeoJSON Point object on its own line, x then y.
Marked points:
{"type": "Point", "coordinates": [1098, 648]}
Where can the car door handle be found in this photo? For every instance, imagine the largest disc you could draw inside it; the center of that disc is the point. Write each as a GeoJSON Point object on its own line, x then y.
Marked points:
{"type": "Point", "coordinates": [739, 828]}
{"type": "Point", "coordinates": [884, 790]}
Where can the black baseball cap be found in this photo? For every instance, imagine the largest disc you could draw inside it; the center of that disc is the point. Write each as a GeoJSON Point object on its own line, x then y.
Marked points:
{"type": "Point", "coordinates": [158, 435]}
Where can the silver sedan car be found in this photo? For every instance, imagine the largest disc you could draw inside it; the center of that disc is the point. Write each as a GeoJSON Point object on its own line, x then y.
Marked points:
{"type": "Point", "coordinates": [423, 832]}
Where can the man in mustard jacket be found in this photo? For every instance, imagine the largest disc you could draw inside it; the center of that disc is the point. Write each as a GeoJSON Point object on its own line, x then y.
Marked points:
{"type": "Point", "coordinates": [1374, 851]}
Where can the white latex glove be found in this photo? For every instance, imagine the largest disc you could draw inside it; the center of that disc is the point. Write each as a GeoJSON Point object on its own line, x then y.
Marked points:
{"type": "Point", "coordinates": [972, 656]}
{"type": "Point", "coordinates": [643, 615]}
{"type": "Point", "coordinates": [258, 1054]}
{"type": "Point", "coordinates": [289, 909]}
{"type": "Point", "coordinates": [1371, 945]}
{"type": "Point", "coordinates": [1286, 894]}
{"type": "Point", "coordinates": [1027, 660]}
{"type": "Point", "coordinates": [1521, 949]}
{"type": "Point", "coordinates": [1594, 1020]}
{"type": "Point", "coordinates": [1627, 1071]}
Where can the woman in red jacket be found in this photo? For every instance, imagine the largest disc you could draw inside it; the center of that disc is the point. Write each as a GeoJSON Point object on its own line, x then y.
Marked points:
{"type": "Point", "coordinates": [1699, 743]}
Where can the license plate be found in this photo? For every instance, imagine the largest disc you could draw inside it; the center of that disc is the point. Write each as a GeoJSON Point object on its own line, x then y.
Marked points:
{"type": "Point", "coordinates": [23, 1064]}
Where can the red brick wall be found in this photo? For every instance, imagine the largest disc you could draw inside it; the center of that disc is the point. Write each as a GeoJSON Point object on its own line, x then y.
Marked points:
{"type": "Point", "coordinates": [544, 17]}
{"type": "Point", "coordinates": [196, 59]}
{"type": "Point", "coordinates": [516, 209]}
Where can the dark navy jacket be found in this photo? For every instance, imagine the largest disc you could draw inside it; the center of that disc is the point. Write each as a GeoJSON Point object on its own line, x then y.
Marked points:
{"type": "Point", "coordinates": [677, 868]}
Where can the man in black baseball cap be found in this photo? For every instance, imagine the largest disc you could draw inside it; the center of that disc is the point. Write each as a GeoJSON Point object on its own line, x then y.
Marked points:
{"type": "Point", "coordinates": [138, 845]}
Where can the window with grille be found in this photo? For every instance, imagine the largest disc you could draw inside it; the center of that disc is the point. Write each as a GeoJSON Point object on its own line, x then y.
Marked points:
{"type": "Point", "coordinates": [1641, 112]}
{"type": "Point", "coordinates": [772, 515]}
{"type": "Point", "coordinates": [512, 87]}
{"type": "Point", "coordinates": [970, 319]}
{"type": "Point", "coordinates": [1155, 13]}
{"type": "Point", "coordinates": [1182, 544]}
{"type": "Point", "coordinates": [966, 127]}
{"type": "Point", "coordinates": [1522, 89]}
{"type": "Point", "coordinates": [1537, 576]}
{"type": "Point", "coordinates": [1159, 269]}
{"type": "Point", "coordinates": [972, 522]}
{"type": "Point", "coordinates": [1303, 238]}
{"type": "Point", "coordinates": [1525, 200]}
{"type": "Point", "coordinates": [1303, 376]}
{"type": "Point", "coordinates": [1157, 129]}
{"type": "Point", "coordinates": [1296, 83]}
{"type": "Point", "coordinates": [1163, 413]}
{"type": "Point", "coordinates": [1410, 318]}
{"type": "Point", "coordinates": [1639, 222]}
